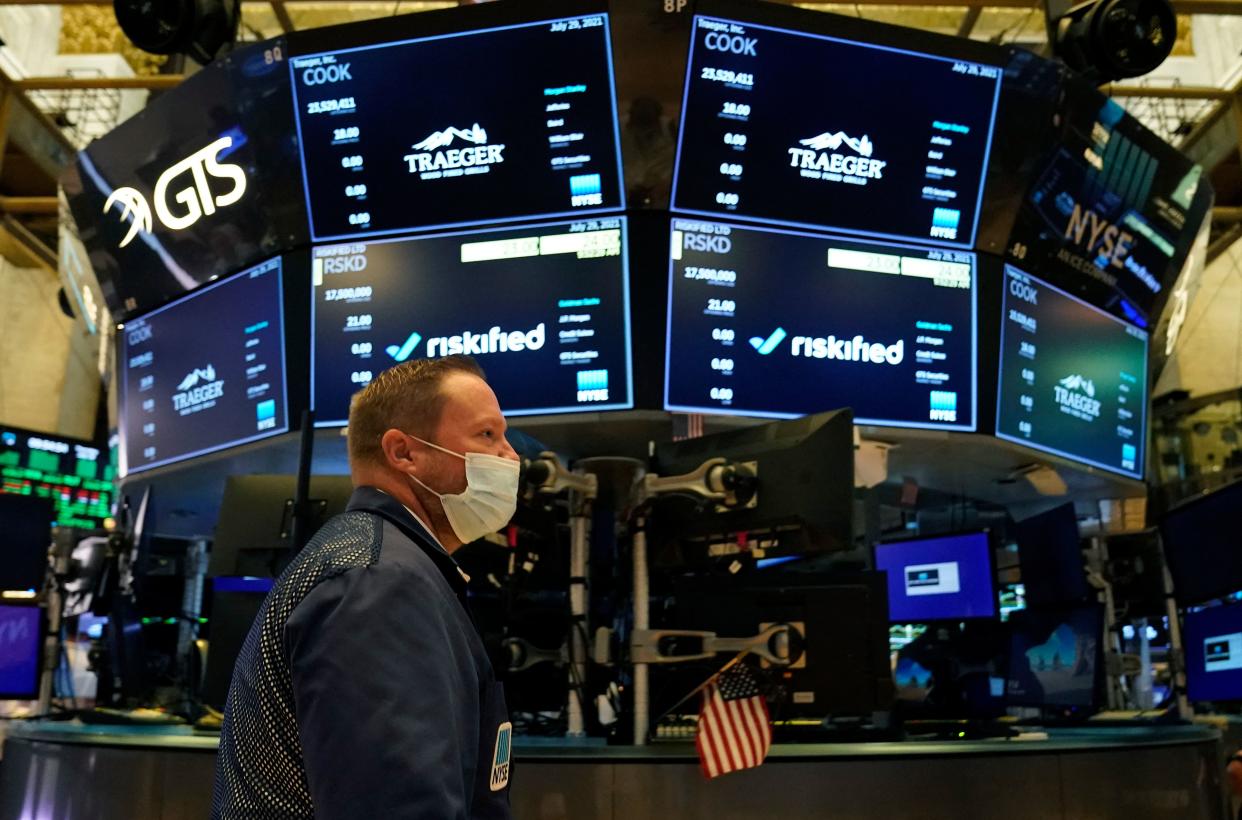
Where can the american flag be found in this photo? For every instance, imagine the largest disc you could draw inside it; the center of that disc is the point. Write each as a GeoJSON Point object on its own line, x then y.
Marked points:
{"type": "Point", "coordinates": [735, 731]}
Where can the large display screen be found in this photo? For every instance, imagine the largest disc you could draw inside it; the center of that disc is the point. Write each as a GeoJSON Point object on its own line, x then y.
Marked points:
{"type": "Point", "coordinates": [1073, 379]}
{"type": "Point", "coordinates": [76, 475]}
{"type": "Point", "coordinates": [1112, 211]}
{"type": "Point", "coordinates": [808, 130]}
{"type": "Point", "coordinates": [543, 309]}
{"type": "Point", "coordinates": [936, 579]}
{"type": "Point", "coordinates": [781, 324]}
{"type": "Point", "coordinates": [196, 185]}
{"type": "Point", "coordinates": [1213, 644]}
{"type": "Point", "coordinates": [459, 129]}
{"type": "Point", "coordinates": [204, 373]}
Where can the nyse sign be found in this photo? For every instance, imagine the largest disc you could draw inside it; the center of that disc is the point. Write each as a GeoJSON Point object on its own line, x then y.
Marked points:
{"type": "Point", "coordinates": [190, 202]}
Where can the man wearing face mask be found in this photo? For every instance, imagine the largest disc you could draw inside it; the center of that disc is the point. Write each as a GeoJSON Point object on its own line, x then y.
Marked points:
{"type": "Point", "coordinates": [363, 689]}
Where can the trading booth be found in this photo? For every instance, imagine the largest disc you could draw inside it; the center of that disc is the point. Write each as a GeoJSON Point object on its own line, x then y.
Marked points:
{"type": "Point", "coordinates": [819, 339]}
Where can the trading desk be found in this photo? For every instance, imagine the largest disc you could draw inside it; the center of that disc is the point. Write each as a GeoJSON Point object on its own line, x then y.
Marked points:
{"type": "Point", "coordinates": [69, 771]}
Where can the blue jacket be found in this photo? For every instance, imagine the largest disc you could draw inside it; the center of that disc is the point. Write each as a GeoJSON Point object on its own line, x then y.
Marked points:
{"type": "Point", "coordinates": [363, 689]}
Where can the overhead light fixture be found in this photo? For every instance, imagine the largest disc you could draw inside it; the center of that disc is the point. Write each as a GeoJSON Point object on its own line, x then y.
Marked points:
{"type": "Point", "coordinates": [1108, 40]}
{"type": "Point", "coordinates": [198, 28]}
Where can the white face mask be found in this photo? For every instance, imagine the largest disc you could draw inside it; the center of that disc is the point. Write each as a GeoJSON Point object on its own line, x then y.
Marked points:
{"type": "Point", "coordinates": [490, 497]}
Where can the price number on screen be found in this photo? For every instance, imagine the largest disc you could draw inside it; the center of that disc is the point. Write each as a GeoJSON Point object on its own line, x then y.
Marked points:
{"type": "Point", "coordinates": [721, 394]}
{"type": "Point", "coordinates": [1027, 350]}
{"type": "Point", "coordinates": [732, 109]}
{"type": "Point", "coordinates": [1027, 402]}
{"type": "Point", "coordinates": [360, 377]}
{"type": "Point", "coordinates": [728, 76]}
{"type": "Point", "coordinates": [328, 106]}
{"type": "Point", "coordinates": [719, 277]}
{"type": "Point", "coordinates": [352, 162]}
{"type": "Point", "coordinates": [727, 199]}
{"type": "Point", "coordinates": [358, 320]}
{"type": "Point", "coordinates": [360, 348]}
{"type": "Point", "coordinates": [735, 140]}
{"type": "Point", "coordinates": [731, 169]}
{"type": "Point", "coordinates": [358, 190]}
{"type": "Point", "coordinates": [360, 218]}
{"type": "Point", "coordinates": [723, 365]}
{"type": "Point", "coordinates": [1024, 427]}
{"type": "Point", "coordinates": [148, 452]}
{"type": "Point", "coordinates": [350, 133]}
{"type": "Point", "coordinates": [149, 428]}
{"type": "Point", "coordinates": [721, 306]}
{"type": "Point", "coordinates": [347, 294]}
{"type": "Point", "coordinates": [723, 334]}
{"type": "Point", "coordinates": [1028, 375]}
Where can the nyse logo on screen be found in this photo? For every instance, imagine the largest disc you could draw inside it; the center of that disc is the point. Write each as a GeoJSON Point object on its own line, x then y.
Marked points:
{"type": "Point", "coordinates": [818, 158]}
{"type": "Point", "coordinates": [198, 391]}
{"type": "Point", "coordinates": [433, 159]}
{"type": "Point", "coordinates": [1076, 396]}
{"type": "Point", "coordinates": [192, 202]}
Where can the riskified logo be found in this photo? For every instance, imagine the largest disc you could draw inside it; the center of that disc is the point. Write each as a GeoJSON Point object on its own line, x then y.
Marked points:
{"type": "Point", "coordinates": [198, 390]}
{"type": "Point", "coordinates": [1076, 396]}
{"type": "Point", "coordinates": [432, 158]}
{"type": "Point", "coordinates": [819, 157]}
{"type": "Point", "coordinates": [196, 199]}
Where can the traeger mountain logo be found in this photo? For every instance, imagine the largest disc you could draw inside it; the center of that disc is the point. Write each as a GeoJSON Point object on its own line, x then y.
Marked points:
{"type": "Point", "coordinates": [196, 200]}
{"type": "Point", "coordinates": [1076, 396]}
{"type": "Point", "coordinates": [433, 159]}
{"type": "Point", "coordinates": [198, 391]}
{"type": "Point", "coordinates": [818, 158]}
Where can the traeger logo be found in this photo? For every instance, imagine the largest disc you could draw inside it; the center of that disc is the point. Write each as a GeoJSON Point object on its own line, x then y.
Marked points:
{"type": "Point", "coordinates": [198, 391]}
{"type": "Point", "coordinates": [430, 162]}
{"type": "Point", "coordinates": [196, 200]}
{"type": "Point", "coordinates": [1076, 396]}
{"type": "Point", "coordinates": [818, 159]}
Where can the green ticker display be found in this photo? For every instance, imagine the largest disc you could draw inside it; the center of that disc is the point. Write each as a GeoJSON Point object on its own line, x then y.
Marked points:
{"type": "Point", "coordinates": [68, 472]}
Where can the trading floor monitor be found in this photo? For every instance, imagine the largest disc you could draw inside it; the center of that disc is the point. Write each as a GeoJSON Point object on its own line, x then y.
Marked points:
{"type": "Point", "coordinates": [1213, 647]}
{"type": "Point", "coordinates": [1055, 658]}
{"type": "Point", "coordinates": [939, 578]}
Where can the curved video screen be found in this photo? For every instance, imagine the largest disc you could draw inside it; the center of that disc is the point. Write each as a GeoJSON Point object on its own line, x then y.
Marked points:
{"type": "Point", "coordinates": [782, 324]}
{"type": "Point", "coordinates": [543, 309]}
{"type": "Point", "coordinates": [459, 129]}
{"type": "Point", "coordinates": [1073, 379]}
{"type": "Point", "coordinates": [204, 373]}
{"type": "Point", "coordinates": [807, 130]}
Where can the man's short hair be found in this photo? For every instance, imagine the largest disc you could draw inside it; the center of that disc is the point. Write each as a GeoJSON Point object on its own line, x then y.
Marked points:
{"type": "Point", "coordinates": [407, 397]}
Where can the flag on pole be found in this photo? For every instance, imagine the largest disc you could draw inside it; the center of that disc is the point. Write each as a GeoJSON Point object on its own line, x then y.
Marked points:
{"type": "Point", "coordinates": [735, 730]}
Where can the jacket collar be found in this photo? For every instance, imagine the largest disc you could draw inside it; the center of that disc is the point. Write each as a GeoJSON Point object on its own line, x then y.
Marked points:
{"type": "Point", "coordinates": [373, 500]}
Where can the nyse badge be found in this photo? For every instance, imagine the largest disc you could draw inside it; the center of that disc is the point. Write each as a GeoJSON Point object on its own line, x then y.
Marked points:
{"type": "Point", "coordinates": [500, 758]}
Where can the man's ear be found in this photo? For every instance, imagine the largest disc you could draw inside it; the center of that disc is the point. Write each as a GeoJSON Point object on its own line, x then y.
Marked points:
{"type": "Point", "coordinates": [399, 454]}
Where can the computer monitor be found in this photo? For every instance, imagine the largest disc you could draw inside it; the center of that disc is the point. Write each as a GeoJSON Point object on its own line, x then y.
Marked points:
{"type": "Point", "coordinates": [255, 532]}
{"type": "Point", "coordinates": [235, 602]}
{"type": "Point", "coordinates": [780, 123]}
{"type": "Point", "coordinates": [26, 522]}
{"type": "Point", "coordinates": [759, 324]}
{"type": "Point", "coordinates": [538, 137]}
{"type": "Point", "coordinates": [939, 578]}
{"type": "Point", "coordinates": [1056, 657]}
{"type": "Point", "coordinates": [76, 475]}
{"type": "Point", "coordinates": [21, 647]}
{"type": "Point", "coordinates": [1213, 646]}
{"type": "Point", "coordinates": [1050, 554]}
{"type": "Point", "coordinates": [804, 500]}
{"type": "Point", "coordinates": [1136, 572]}
{"type": "Point", "coordinates": [544, 310]}
{"type": "Point", "coordinates": [204, 373]}
{"type": "Point", "coordinates": [845, 671]}
{"type": "Point", "coordinates": [1203, 545]}
{"type": "Point", "coordinates": [1073, 379]}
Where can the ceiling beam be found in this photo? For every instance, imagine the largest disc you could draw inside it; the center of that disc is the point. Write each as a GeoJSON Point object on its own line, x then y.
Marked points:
{"type": "Point", "coordinates": [282, 15]}
{"type": "Point", "coordinates": [968, 22]}
{"type": "Point", "coordinates": [1181, 92]}
{"type": "Point", "coordinates": [154, 82]}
